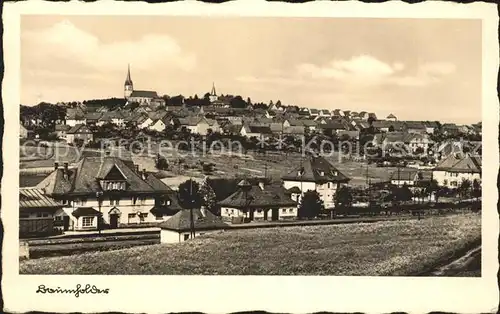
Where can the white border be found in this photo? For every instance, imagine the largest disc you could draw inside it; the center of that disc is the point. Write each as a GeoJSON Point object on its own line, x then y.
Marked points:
{"type": "Point", "coordinates": [232, 293]}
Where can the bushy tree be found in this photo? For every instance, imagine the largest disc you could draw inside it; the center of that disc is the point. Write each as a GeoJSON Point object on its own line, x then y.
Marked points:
{"type": "Point", "coordinates": [161, 163]}
{"type": "Point", "coordinates": [209, 199]}
{"type": "Point", "coordinates": [476, 189]}
{"type": "Point", "coordinates": [189, 194]}
{"type": "Point", "coordinates": [311, 205]}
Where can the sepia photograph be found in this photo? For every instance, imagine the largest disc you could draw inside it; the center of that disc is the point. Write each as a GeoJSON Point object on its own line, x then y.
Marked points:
{"type": "Point", "coordinates": [249, 145]}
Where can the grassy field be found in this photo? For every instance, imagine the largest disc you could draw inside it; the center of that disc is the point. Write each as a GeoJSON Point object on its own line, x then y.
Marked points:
{"type": "Point", "coordinates": [384, 248]}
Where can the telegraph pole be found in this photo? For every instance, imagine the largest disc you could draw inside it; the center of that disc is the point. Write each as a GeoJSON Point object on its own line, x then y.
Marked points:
{"type": "Point", "coordinates": [191, 208]}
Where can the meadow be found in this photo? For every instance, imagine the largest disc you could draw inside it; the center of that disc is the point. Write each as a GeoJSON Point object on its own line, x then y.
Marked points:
{"type": "Point", "coordinates": [390, 248]}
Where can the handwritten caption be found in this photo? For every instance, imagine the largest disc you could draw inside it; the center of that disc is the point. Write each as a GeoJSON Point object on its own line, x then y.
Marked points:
{"type": "Point", "coordinates": [88, 289]}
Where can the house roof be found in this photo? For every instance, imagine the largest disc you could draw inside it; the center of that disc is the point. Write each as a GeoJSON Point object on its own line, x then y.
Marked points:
{"type": "Point", "coordinates": [74, 114]}
{"type": "Point", "coordinates": [465, 164]}
{"type": "Point", "coordinates": [79, 128]}
{"type": "Point", "coordinates": [93, 115]}
{"type": "Point", "coordinates": [332, 125]}
{"type": "Point", "coordinates": [83, 179]}
{"type": "Point", "coordinates": [294, 190]}
{"type": "Point", "coordinates": [259, 129]}
{"type": "Point", "coordinates": [294, 130]}
{"type": "Point", "coordinates": [415, 125]}
{"type": "Point", "coordinates": [407, 174]}
{"type": "Point", "coordinates": [144, 93]}
{"type": "Point", "coordinates": [85, 211]}
{"type": "Point", "coordinates": [252, 196]}
{"type": "Point", "coordinates": [391, 116]}
{"type": "Point", "coordinates": [203, 220]}
{"type": "Point", "coordinates": [316, 169]}
{"type": "Point", "coordinates": [36, 198]}
{"type": "Point", "coordinates": [62, 127]}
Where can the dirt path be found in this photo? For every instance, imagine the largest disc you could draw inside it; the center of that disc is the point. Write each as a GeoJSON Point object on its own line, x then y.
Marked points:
{"type": "Point", "coordinates": [468, 265]}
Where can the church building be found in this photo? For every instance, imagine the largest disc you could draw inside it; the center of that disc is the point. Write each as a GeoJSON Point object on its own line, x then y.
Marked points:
{"type": "Point", "coordinates": [143, 97]}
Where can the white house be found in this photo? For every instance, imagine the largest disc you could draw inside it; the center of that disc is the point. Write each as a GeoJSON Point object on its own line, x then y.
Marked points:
{"type": "Point", "coordinates": [316, 174]}
{"type": "Point", "coordinates": [178, 228]}
{"type": "Point", "coordinates": [454, 169]}
{"type": "Point", "coordinates": [199, 125]}
{"type": "Point", "coordinates": [110, 188]}
{"type": "Point", "coordinates": [75, 116]}
{"type": "Point", "coordinates": [157, 125]}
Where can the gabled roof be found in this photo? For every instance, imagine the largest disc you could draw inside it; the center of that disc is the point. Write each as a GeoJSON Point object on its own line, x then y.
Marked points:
{"type": "Point", "coordinates": [36, 198]}
{"type": "Point", "coordinates": [93, 115]}
{"type": "Point", "coordinates": [144, 93]}
{"type": "Point", "coordinates": [316, 169]}
{"type": "Point", "coordinates": [391, 116]}
{"type": "Point", "coordinates": [258, 129]}
{"type": "Point", "coordinates": [62, 127]}
{"type": "Point", "coordinates": [253, 196]}
{"type": "Point", "coordinates": [75, 114]}
{"type": "Point", "coordinates": [86, 211]}
{"type": "Point", "coordinates": [83, 179]}
{"type": "Point", "coordinates": [79, 128]}
{"type": "Point", "coordinates": [465, 164]}
{"type": "Point", "coordinates": [407, 174]}
{"type": "Point", "coordinates": [202, 221]}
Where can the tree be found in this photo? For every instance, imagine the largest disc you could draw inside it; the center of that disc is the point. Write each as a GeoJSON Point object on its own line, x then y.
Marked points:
{"type": "Point", "coordinates": [476, 189]}
{"type": "Point", "coordinates": [371, 119]}
{"type": "Point", "coordinates": [432, 187]}
{"type": "Point", "coordinates": [402, 194]}
{"type": "Point", "coordinates": [311, 205]}
{"type": "Point", "coordinates": [464, 188]}
{"type": "Point", "coordinates": [391, 128]}
{"type": "Point", "coordinates": [342, 199]}
{"type": "Point", "coordinates": [238, 102]}
{"type": "Point", "coordinates": [209, 199]}
{"type": "Point", "coordinates": [189, 194]}
{"type": "Point", "coordinates": [161, 163]}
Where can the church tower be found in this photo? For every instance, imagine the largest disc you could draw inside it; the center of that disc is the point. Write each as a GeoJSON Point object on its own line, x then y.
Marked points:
{"type": "Point", "coordinates": [213, 95]}
{"type": "Point", "coordinates": [129, 86]}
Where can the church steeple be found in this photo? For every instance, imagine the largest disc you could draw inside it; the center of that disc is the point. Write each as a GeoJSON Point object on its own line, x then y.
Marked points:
{"type": "Point", "coordinates": [213, 95]}
{"type": "Point", "coordinates": [129, 86]}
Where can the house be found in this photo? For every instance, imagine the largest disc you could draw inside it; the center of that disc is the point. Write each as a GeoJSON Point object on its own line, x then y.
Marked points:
{"type": "Point", "coordinates": [142, 96]}
{"type": "Point", "coordinates": [450, 129]}
{"type": "Point", "coordinates": [389, 125]}
{"type": "Point", "coordinates": [418, 142]}
{"type": "Point", "coordinates": [79, 132]}
{"type": "Point", "coordinates": [259, 202]}
{"type": "Point", "coordinates": [92, 118]}
{"type": "Point", "coordinates": [337, 113]}
{"type": "Point", "coordinates": [431, 126]}
{"type": "Point", "coordinates": [199, 125]}
{"type": "Point", "coordinates": [23, 132]}
{"type": "Point", "coordinates": [351, 135]}
{"type": "Point", "coordinates": [454, 169]}
{"type": "Point", "coordinates": [410, 177]}
{"type": "Point", "coordinates": [415, 127]}
{"type": "Point", "coordinates": [75, 116]}
{"type": "Point", "coordinates": [316, 174]}
{"type": "Point", "coordinates": [294, 130]}
{"type": "Point", "coordinates": [158, 125]}
{"type": "Point", "coordinates": [178, 228]}
{"type": "Point", "coordinates": [313, 112]}
{"type": "Point", "coordinates": [37, 212]}
{"type": "Point", "coordinates": [61, 130]}
{"type": "Point", "coordinates": [403, 142]}
{"type": "Point", "coordinates": [258, 131]}
{"type": "Point", "coordinates": [332, 127]}
{"type": "Point", "coordinates": [391, 117]}
{"type": "Point", "coordinates": [110, 188]}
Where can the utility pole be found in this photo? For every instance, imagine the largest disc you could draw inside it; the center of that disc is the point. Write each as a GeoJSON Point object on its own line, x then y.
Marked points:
{"type": "Point", "coordinates": [191, 208]}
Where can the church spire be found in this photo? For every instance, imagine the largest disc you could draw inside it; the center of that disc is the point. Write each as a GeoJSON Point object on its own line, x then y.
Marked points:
{"type": "Point", "coordinates": [128, 81]}
{"type": "Point", "coordinates": [213, 93]}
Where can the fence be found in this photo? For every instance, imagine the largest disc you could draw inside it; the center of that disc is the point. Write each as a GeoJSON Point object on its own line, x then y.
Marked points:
{"type": "Point", "coordinates": [39, 226]}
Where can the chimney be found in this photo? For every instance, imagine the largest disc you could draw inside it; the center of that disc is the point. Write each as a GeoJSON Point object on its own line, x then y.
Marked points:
{"type": "Point", "coordinates": [56, 165]}
{"type": "Point", "coordinates": [137, 168]}
{"type": "Point", "coordinates": [144, 174]}
{"type": "Point", "coordinates": [66, 167]}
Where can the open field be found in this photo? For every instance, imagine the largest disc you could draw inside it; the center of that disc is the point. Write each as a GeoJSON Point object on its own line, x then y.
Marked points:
{"type": "Point", "coordinates": [383, 248]}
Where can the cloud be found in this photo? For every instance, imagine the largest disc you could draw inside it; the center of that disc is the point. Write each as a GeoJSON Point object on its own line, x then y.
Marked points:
{"type": "Point", "coordinates": [65, 41]}
{"type": "Point", "coordinates": [367, 70]}
{"type": "Point", "coordinates": [363, 68]}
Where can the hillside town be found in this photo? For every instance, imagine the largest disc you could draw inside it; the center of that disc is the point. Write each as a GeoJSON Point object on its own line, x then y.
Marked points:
{"type": "Point", "coordinates": [102, 165]}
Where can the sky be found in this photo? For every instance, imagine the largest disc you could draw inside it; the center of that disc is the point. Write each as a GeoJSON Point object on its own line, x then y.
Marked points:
{"type": "Point", "coordinates": [417, 69]}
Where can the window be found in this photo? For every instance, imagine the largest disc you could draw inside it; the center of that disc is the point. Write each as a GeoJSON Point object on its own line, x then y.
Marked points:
{"type": "Point", "coordinates": [290, 210]}
{"type": "Point", "coordinates": [445, 182]}
{"type": "Point", "coordinates": [143, 216]}
{"type": "Point", "coordinates": [24, 215]}
{"type": "Point", "coordinates": [131, 217]}
{"type": "Point", "coordinates": [329, 186]}
{"type": "Point", "coordinates": [159, 217]}
{"type": "Point", "coordinates": [87, 222]}
{"type": "Point", "coordinates": [454, 183]}
{"type": "Point", "coordinates": [283, 210]}
{"type": "Point", "coordinates": [58, 217]}
{"type": "Point", "coordinates": [39, 214]}
{"type": "Point", "coordinates": [186, 236]}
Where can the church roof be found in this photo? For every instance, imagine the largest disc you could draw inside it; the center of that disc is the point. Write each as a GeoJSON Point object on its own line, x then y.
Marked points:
{"type": "Point", "coordinates": [213, 93]}
{"type": "Point", "coordinates": [144, 93]}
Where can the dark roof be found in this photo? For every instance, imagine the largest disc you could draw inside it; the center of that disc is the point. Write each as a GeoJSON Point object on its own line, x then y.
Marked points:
{"type": "Point", "coordinates": [294, 190]}
{"type": "Point", "coordinates": [332, 125]}
{"type": "Point", "coordinates": [251, 196]}
{"type": "Point", "coordinates": [144, 93]}
{"type": "Point", "coordinates": [316, 169]}
{"type": "Point", "coordinates": [83, 178]}
{"type": "Point", "coordinates": [79, 128]}
{"type": "Point", "coordinates": [259, 129]}
{"type": "Point", "coordinates": [62, 127]}
{"type": "Point", "coordinates": [75, 114]}
{"type": "Point", "coordinates": [407, 174]}
{"type": "Point", "coordinates": [202, 221]}
{"type": "Point", "coordinates": [35, 198]}
{"type": "Point", "coordinates": [85, 211]}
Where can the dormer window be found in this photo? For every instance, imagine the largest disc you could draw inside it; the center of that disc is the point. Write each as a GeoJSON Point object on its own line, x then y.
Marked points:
{"type": "Point", "coordinates": [113, 185]}
{"type": "Point", "coordinates": [321, 173]}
